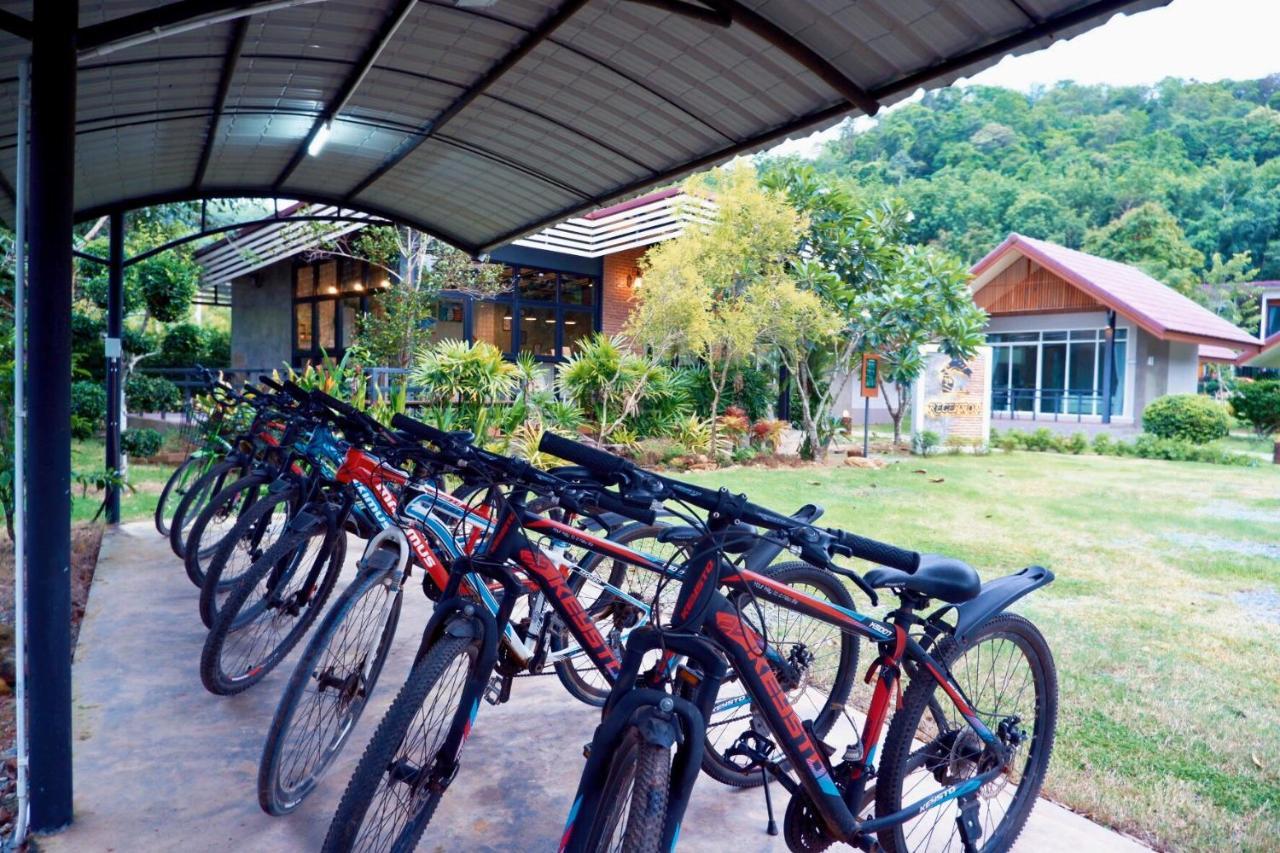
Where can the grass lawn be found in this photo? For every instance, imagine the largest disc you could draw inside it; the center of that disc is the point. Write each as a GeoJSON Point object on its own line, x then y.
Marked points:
{"type": "Point", "coordinates": [147, 481]}
{"type": "Point", "coordinates": [1164, 618]}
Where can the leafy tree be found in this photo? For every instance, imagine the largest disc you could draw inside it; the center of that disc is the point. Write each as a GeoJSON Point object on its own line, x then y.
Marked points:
{"type": "Point", "coordinates": [879, 293]}
{"type": "Point", "coordinates": [1150, 238]}
{"type": "Point", "coordinates": [701, 286]}
{"type": "Point", "coordinates": [419, 268]}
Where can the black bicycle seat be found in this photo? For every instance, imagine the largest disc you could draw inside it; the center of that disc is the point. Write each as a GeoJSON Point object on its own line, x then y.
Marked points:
{"type": "Point", "coordinates": [943, 578]}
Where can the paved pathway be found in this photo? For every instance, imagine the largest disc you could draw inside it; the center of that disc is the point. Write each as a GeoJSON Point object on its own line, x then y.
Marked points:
{"type": "Point", "coordinates": [161, 765]}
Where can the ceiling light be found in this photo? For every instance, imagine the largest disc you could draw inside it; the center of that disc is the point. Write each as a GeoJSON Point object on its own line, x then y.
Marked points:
{"type": "Point", "coordinates": [316, 145]}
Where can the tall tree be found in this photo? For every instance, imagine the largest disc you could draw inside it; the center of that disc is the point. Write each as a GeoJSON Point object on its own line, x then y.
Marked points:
{"type": "Point", "coordinates": [1150, 238]}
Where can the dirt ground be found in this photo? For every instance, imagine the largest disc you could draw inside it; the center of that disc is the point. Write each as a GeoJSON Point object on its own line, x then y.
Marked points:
{"type": "Point", "coordinates": [85, 539]}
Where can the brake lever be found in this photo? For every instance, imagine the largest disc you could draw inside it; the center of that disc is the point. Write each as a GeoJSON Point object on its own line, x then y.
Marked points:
{"type": "Point", "coordinates": [857, 579]}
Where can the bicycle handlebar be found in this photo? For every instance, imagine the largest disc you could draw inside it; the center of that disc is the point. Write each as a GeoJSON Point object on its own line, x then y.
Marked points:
{"type": "Point", "coordinates": [726, 507]}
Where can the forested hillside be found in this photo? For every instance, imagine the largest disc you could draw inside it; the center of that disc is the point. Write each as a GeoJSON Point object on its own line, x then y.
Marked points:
{"type": "Point", "coordinates": [1181, 178]}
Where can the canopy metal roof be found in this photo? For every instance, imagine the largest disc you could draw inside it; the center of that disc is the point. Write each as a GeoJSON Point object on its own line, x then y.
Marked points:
{"type": "Point", "coordinates": [480, 121]}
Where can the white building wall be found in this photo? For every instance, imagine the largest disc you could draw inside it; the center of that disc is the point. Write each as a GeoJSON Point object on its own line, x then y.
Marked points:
{"type": "Point", "coordinates": [1184, 368]}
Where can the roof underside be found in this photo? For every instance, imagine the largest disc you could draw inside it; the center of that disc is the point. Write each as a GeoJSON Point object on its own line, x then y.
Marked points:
{"type": "Point", "coordinates": [483, 121]}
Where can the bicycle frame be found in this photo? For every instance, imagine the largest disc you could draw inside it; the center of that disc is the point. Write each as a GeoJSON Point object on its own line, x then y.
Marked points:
{"type": "Point", "coordinates": [746, 650]}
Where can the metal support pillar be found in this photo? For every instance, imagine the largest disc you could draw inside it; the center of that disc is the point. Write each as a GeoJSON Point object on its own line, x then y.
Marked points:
{"type": "Point", "coordinates": [1108, 365]}
{"type": "Point", "coordinates": [114, 352]}
{"type": "Point", "coordinates": [48, 510]}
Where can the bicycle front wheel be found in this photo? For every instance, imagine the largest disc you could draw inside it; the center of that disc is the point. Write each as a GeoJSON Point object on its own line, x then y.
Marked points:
{"type": "Point", "coordinates": [633, 804]}
{"type": "Point", "coordinates": [175, 488]}
{"type": "Point", "coordinates": [329, 689]}
{"type": "Point", "coordinates": [1006, 671]}
{"type": "Point", "coordinates": [270, 609]}
{"type": "Point", "coordinates": [193, 503]}
{"type": "Point", "coordinates": [395, 789]}
{"type": "Point", "coordinates": [255, 532]}
{"type": "Point", "coordinates": [217, 520]}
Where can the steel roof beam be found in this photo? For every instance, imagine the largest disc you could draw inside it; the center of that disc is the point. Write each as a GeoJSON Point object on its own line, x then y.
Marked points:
{"type": "Point", "coordinates": [526, 45]}
{"type": "Point", "coordinates": [238, 32]}
{"type": "Point", "coordinates": [358, 72]}
{"type": "Point", "coordinates": [180, 14]}
{"type": "Point", "coordinates": [15, 25]}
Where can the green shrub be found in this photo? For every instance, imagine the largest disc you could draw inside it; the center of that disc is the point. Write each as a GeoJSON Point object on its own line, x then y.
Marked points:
{"type": "Point", "coordinates": [925, 442]}
{"type": "Point", "coordinates": [1078, 443]}
{"type": "Point", "coordinates": [1148, 446]}
{"type": "Point", "coordinates": [141, 443]}
{"type": "Point", "coordinates": [88, 408]}
{"type": "Point", "coordinates": [1009, 441]}
{"type": "Point", "coordinates": [1040, 440]}
{"type": "Point", "coordinates": [1103, 444]}
{"type": "Point", "coordinates": [151, 394]}
{"type": "Point", "coordinates": [746, 387]}
{"type": "Point", "coordinates": [1189, 417]}
{"type": "Point", "coordinates": [1258, 404]}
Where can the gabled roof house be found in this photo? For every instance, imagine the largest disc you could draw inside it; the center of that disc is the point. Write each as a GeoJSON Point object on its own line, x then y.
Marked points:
{"type": "Point", "coordinates": [1075, 335]}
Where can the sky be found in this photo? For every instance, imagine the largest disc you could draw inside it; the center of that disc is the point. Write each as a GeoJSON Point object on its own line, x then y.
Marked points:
{"type": "Point", "coordinates": [1205, 40]}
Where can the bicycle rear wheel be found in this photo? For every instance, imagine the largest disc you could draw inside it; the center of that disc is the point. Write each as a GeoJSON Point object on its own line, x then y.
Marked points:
{"type": "Point", "coordinates": [614, 616]}
{"type": "Point", "coordinates": [1006, 672]}
{"type": "Point", "coordinates": [815, 663]}
{"type": "Point", "coordinates": [257, 530]}
{"type": "Point", "coordinates": [633, 804]}
{"type": "Point", "coordinates": [329, 690]}
{"type": "Point", "coordinates": [395, 790]}
{"type": "Point", "coordinates": [270, 609]}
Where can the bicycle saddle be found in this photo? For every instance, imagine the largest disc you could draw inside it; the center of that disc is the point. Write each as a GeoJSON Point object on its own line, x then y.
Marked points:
{"type": "Point", "coordinates": [943, 578]}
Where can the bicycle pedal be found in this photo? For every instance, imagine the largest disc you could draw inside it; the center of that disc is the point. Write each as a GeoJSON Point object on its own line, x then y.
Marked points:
{"type": "Point", "coordinates": [498, 690]}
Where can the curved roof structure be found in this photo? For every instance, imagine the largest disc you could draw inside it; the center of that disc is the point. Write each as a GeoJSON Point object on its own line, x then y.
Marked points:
{"type": "Point", "coordinates": [481, 121]}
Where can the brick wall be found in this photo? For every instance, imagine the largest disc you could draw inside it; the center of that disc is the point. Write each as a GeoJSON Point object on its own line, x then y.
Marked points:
{"type": "Point", "coordinates": [616, 296]}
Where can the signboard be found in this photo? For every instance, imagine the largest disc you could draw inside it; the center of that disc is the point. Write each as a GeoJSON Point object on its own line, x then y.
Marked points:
{"type": "Point", "coordinates": [953, 398]}
{"type": "Point", "coordinates": [870, 386]}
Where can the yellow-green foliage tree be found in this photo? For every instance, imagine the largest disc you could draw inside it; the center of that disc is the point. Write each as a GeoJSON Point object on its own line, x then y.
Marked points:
{"type": "Point", "coordinates": [702, 289]}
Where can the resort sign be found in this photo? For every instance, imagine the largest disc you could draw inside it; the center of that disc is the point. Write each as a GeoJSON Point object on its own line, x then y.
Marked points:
{"type": "Point", "coordinates": [952, 398]}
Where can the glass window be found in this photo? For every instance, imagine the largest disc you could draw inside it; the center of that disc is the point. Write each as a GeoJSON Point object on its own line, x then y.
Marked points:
{"type": "Point", "coordinates": [1084, 335]}
{"type": "Point", "coordinates": [537, 285]}
{"type": "Point", "coordinates": [305, 281]}
{"type": "Point", "coordinates": [1082, 390]}
{"type": "Point", "coordinates": [1000, 379]}
{"type": "Point", "coordinates": [1121, 334]}
{"type": "Point", "coordinates": [492, 322]}
{"type": "Point", "coordinates": [328, 284]}
{"type": "Point", "coordinates": [326, 325]}
{"type": "Point", "coordinates": [538, 331]}
{"type": "Point", "coordinates": [1053, 377]}
{"type": "Point", "coordinates": [302, 326]}
{"type": "Point", "coordinates": [1273, 319]}
{"type": "Point", "coordinates": [1055, 336]}
{"type": "Point", "coordinates": [1009, 337]}
{"type": "Point", "coordinates": [350, 322]}
{"type": "Point", "coordinates": [1022, 377]}
{"type": "Point", "coordinates": [448, 323]}
{"type": "Point", "coordinates": [577, 289]}
{"type": "Point", "coordinates": [577, 327]}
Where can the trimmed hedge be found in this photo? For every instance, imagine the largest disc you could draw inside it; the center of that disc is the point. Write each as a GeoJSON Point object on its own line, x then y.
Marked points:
{"type": "Point", "coordinates": [141, 443]}
{"type": "Point", "coordinates": [88, 408]}
{"type": "Point", "coordinates": [1145, 446]}
{"type": "Point", "coordinates": [1258, 404]}
{"type": "Point", "coordinates": [1188, 417]}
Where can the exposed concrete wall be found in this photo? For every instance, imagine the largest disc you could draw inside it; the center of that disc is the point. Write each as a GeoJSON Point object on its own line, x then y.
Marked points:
{"type": "Point", "coordinates": [261, 319]}
{"type": "Point", "coordinates": [1151, 373]}
{"type": "Point", "coordinates": [1184, 368]}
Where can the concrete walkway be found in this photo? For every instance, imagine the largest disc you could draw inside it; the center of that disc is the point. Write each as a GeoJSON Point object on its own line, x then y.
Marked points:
{"type": "Point", "coordinates": [161, 765]}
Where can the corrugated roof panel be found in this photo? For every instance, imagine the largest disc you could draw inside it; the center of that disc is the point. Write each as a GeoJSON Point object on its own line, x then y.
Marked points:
{"type": "Point", "coordinates": [659, 93]}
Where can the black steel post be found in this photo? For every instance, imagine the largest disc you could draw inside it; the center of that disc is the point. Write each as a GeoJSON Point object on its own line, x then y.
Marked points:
{"type": "Point", "coordinates": [1108, 365]}
{"type": "Point", "coordinates": [48, 519]}
{"type": "Point", "coordinates": [115, 375]}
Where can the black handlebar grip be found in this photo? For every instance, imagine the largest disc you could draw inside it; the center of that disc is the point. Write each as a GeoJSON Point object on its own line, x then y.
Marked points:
{"type": "Point", "coordinates": [337, 405]}
{"type": "Point", "coordinates": [296, 392]}
{"type": "Point", "coordinates": [419, 430]}
{"type": "Point", "coordinates": [879, 552]}
{"type": "Point", "coordinates": [593, 459]}
{"type": "Point", "coordinates": [270, 383]}
{"type": "Point", "coordinates": [609, 502]}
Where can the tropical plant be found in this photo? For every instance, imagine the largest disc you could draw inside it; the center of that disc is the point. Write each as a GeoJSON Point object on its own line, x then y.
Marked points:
{"type": "Point", "coordinates": [141, 443]}
{"type": "Point", "coordinates": [608, 381]}
{"type": "Point", "coordinates": [473, 379]}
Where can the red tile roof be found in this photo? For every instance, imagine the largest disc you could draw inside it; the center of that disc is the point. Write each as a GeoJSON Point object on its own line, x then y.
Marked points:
{"type": "Point", "coordinates": [1224, 355]}
{"type": "Point", "coordinates": [1132, 293]}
